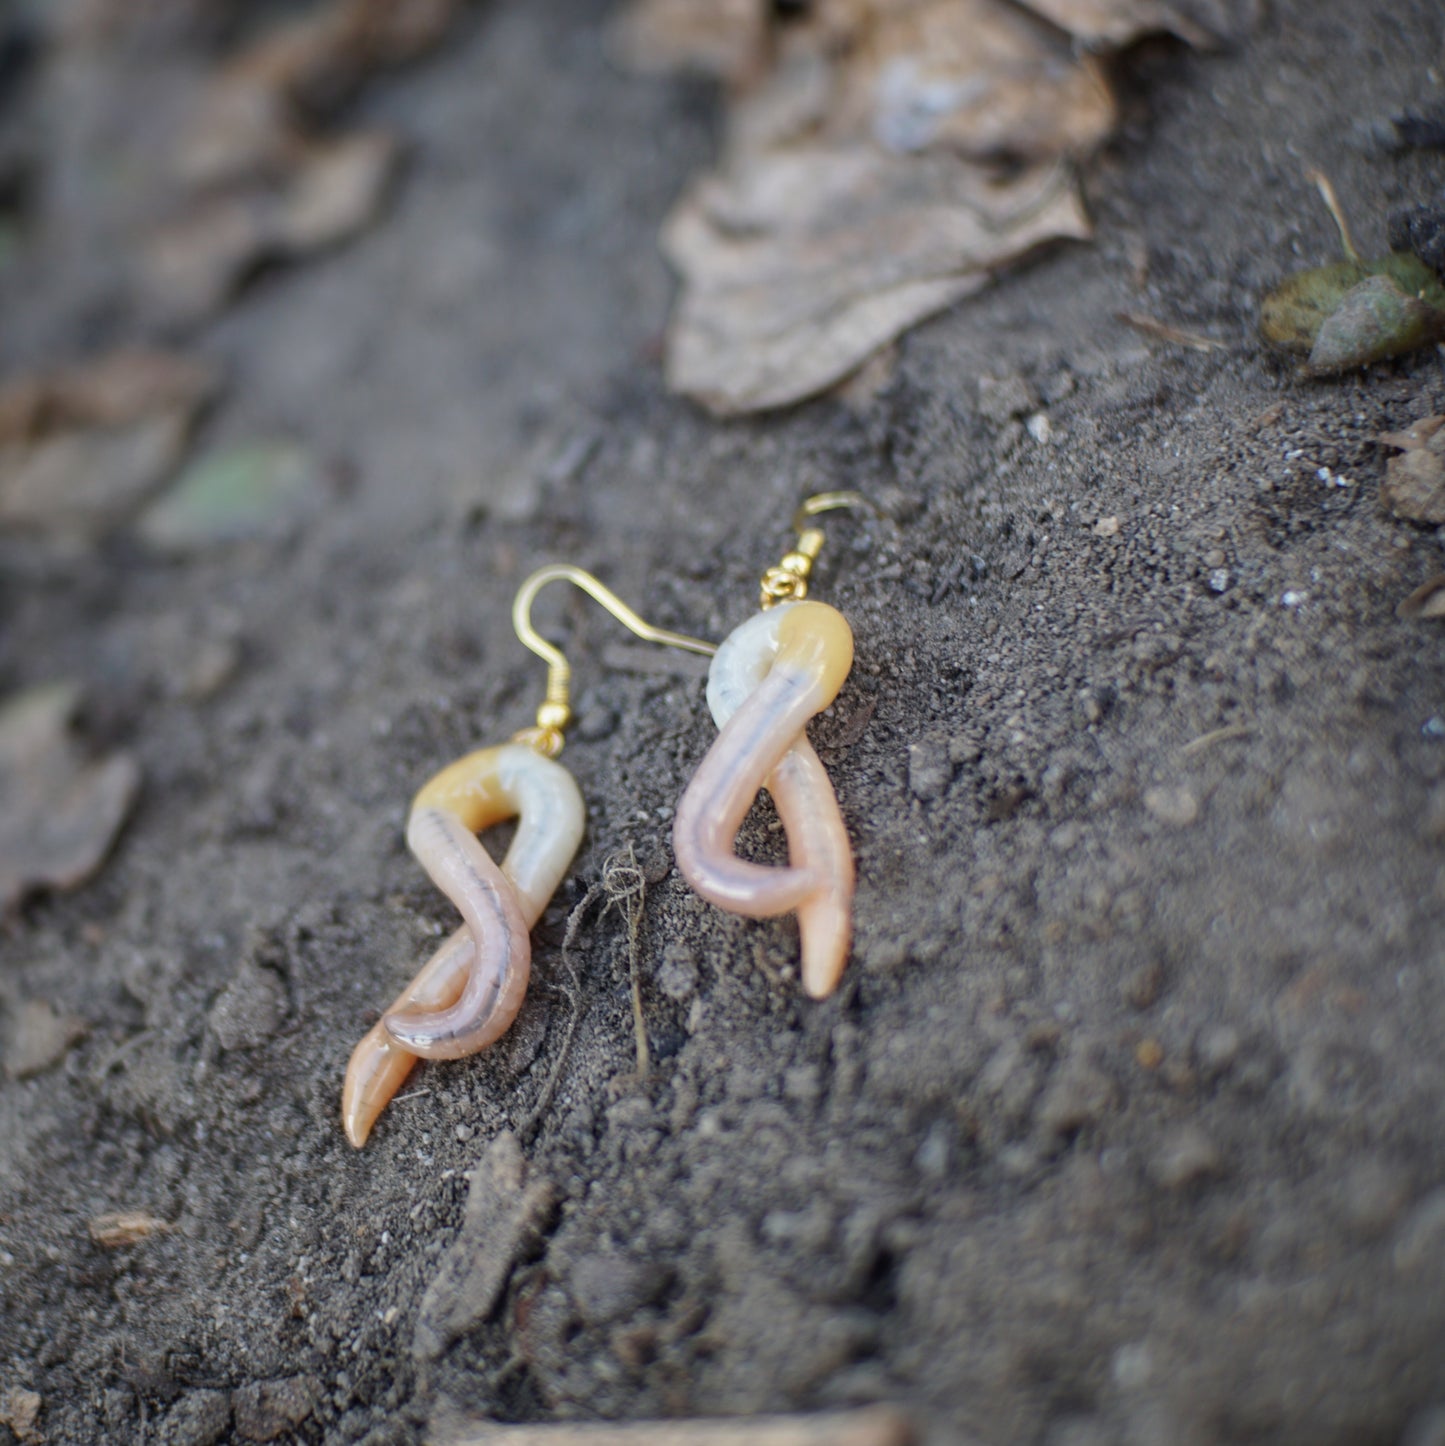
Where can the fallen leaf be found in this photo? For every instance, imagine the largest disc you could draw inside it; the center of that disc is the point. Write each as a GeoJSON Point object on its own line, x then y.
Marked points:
{"type": "Point", "coordinates": [255, 491]}
{"type": "Point", "coordinates": [977, 77]}
{"type": "Point", "coordinates": [107, 391]}
{"type": "Point", "coordinates": [261, 182]}
{"type": "Point", "coordinates": [1293, 314]}
{"type": "Point", "coordinates": [1373, 321]}
{"type": "Point", "coordinates": [58, 814]}
{"type": "Point", "coordinates": [1414, 485]}
{"type": "Point", "coordinates": [80, 449]}
{"type": "Point", "coordinates": [336, 193]}
{"type": "Point", "coordinates": [1115, 23]}
{"type": "Point", "coordinates": [263, 106]}
{"type": "Point", "coordinates": [726, 38]}
{"type": "Point", "coordinates": [84, 484]}
{"type": "Point", "coordinates": [800, 266]}
{"type": "Point", "coordinates": [1427, 601]}
{"type": "Point", "coordinates": [862, 187]}
{"type": "Point", "coordinates": [126, 1227]}
{"type": "Point", "coordinates": [20, 1410]}
{"type": "Point", "coordinates": [331, 193]}
{"type": "Point", "coordinates": [38, 1037]}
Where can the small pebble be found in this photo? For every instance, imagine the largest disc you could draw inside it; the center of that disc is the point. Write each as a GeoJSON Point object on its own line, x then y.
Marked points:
{"type": "Point", "coordinates": [213, 666]}
{"type": "Point", "coordinates": [595, 724]}
{"type": "Point", "coordinates": [1144, 986]}
{"type": "Point", "coordinates": [1080, 1095]}
{"type": "Point", "coordinates": [38, 1038]}
{"type": "Point", "coordinates": [1106, 527]}
{"type": "Point", "coordinates": [1132, 1366]}
{"type": "Point", "coordinates": [931, 1157]}
{"type": "Point", "coordinates": [1187, 1157]}
{"type": "Point", "coordinates": [677, 974]}
{"type": "Point", "coordinates": [1217, 1048]}
{"type": "Point", "coordinates": [930, 770]}
{"type": "Point", "coordinates": [1149, 1054]}
{"type": "Point", "coordinates": [1175, 806]}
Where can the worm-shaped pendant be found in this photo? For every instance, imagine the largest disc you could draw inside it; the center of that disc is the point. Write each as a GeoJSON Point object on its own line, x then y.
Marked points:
{"type": "Point", "coordinates": [469, 991]}
{"type": "Point", "coordinates": [769, 677]}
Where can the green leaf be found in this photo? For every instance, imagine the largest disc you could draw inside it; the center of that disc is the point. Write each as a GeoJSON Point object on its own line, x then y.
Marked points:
{"type": "Point", "coordinates": [256, 491]}
{"type": "Point", "coordinates": [1292, 315]}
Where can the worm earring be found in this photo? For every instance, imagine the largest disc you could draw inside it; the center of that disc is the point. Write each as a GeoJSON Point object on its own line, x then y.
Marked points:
{"type": "Point", "coordinates": [769, 677]}
{"type": "Point", "coordinates": [469, 991]}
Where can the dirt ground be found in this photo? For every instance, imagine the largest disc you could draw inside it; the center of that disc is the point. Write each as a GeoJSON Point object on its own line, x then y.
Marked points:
{"type": "Point", "coordinates": [1128, 1123]}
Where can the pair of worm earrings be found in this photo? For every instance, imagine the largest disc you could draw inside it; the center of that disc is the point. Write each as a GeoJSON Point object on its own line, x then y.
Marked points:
{"type": "Point", "coordinates": [767, 679]}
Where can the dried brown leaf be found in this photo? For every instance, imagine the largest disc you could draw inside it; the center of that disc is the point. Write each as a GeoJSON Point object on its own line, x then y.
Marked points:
{"type": "Point", "coordinates": [979, 77]}
{"type": "Point", "coordinates": [257, 115]}
{"type": "Point", "coordinates": [262, 184]}
{"type": "Point", "coordinates": [1418, 434]}
{"type": "Point", "coordinates": [727, 38]}
{"type": "Point", "coordinates": [117, 1228]}
{"type": "Point", "coordinates": [109, 391]}
{"type": "Point", "coordinates": [83, 484]}
{"type": "Point", "coordinates": [331, 193]}
{"type": "Point", "coordinates": [58, 813]}
{"type": "Point", "coordinates": [1114, 23]}
{"type": "Point", "coordinates": [81, 448]}
{"type": "Point", "coordinates": [800, 264]}
{"type": "Point", "coordinates": [336, 193]}
{"type": "Point", "coordinates": [1414, 485]}
{"type": "Point", "coordinates": [1427, 601]}
{"type": "Point", "coordinates": [847, 208]}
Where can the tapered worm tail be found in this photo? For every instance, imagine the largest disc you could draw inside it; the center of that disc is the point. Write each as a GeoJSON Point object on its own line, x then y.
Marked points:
{"type": "Point", "coordinates": [769, 677]}
{"type": "Point", "coordinates": [470, 990]}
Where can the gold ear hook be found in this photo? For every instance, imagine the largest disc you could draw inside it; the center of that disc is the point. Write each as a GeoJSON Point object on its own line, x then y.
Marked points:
{"type": "Point", "coordinates": [555, 713]}
{"type": "Point", "coordinates": [788, 580]}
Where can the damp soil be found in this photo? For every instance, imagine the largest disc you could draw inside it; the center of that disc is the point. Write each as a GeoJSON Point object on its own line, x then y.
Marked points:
{"type": "Point", "coordinates": [1126, 1124]}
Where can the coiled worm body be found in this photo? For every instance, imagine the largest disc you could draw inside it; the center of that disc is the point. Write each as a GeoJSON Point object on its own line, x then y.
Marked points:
{"type": "Point", "coordinates": [469, 991]}
{"type": "Point", "coordinates": [769, 677]}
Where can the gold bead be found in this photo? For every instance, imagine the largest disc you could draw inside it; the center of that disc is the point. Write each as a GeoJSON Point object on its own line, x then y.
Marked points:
{"type": "Point", "coordinates": [553, 717]}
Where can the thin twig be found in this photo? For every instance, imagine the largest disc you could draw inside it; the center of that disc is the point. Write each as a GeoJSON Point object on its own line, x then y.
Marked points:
{"type": "Point", "coordinates": [1332, 201]}
{"type": "Point", "coordinates": [1161, 330]}
{"type": "Point", "coordinates": [1218, 735]}
{"type": "Point", "coordinates": [868, 1426]}
{"type": "Point", "coordinates": [626, 889]}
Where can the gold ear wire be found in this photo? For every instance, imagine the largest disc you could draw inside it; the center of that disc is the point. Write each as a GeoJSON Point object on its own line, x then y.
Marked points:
{"type": "Point", "coordinates": [555, 712]}
{"type": "Point", "coordinates": [787, 581]}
